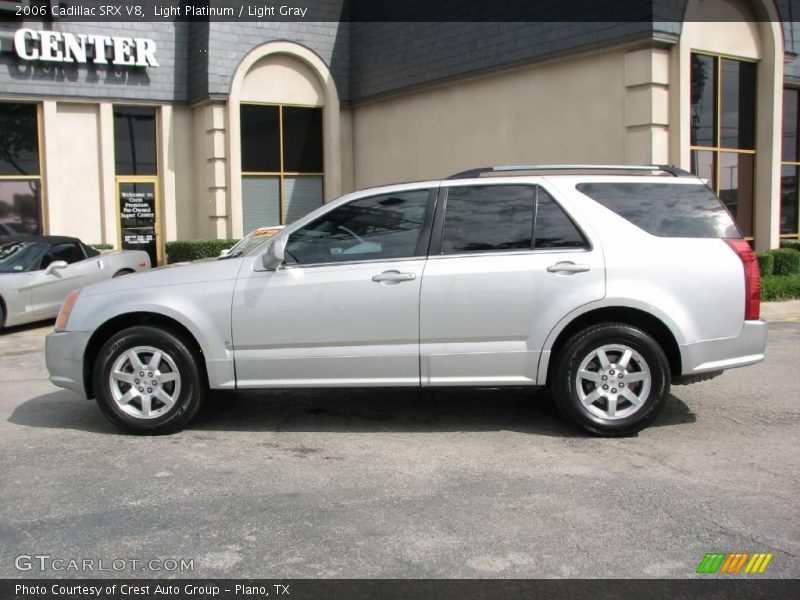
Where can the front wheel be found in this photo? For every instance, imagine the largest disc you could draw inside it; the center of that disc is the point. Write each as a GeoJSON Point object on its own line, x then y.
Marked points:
{"type": "Point", "coordinates": [611, 379]}
{"type": "Point", "coordinates": [148, 381]}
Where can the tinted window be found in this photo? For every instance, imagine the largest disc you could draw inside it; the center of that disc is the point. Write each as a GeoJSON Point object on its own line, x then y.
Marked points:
{"type": "Point", "coordinates": [554, 229]}
{"type": "Point", "coordinates": [703, 99]}
{"type": "Point", "coordinates": [135, 141]}
{"type": "Point", "coordinates": [380, 227]}
{"type": "Point", "coordinates": [302, 139]}
{"type": "Point", "coordinates": [488, 218]}
{"type": "Point", "coordinates": [19, 139]}
{"type": "Point", "coordinates": [666, 210]}
{"type": "Point", "coordinates": [261, 138]}
{"type": "Point", "coordinates": [738, 97]}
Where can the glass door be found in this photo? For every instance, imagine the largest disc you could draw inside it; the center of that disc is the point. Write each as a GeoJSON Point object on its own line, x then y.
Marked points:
{"type": "Point", "coordinates": [137, 203]}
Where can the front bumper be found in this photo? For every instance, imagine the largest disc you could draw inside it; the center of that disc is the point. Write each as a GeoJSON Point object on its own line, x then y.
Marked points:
{"type": "Point", "coordinates": [716, 355]}
{"type": "Point", "coordinates": [64, 352]}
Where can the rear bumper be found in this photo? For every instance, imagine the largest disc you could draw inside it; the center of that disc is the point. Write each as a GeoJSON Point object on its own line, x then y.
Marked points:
{"type": "Point", "coordinates": [716, 355]}
{"type": "Point", "coordinates": [64, 357]}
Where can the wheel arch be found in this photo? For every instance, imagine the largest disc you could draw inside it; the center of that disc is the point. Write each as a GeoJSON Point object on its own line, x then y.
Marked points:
{"type": "Point", "coordinates": [3, 312]}
{"type": "Point", "coordinates": [123, 321]}
{"type": "Point", "coordinates": [646, 321]}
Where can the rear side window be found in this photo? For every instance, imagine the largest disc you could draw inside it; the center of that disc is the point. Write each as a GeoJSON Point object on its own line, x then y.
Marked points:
{"type": "Point", "coordinates": [666, 210]}
{"type": "Point", "coordinates": [488, 218]}
{"type": "Point", "coordinates": [554, 229]}
{"type": "Point", "coordinates": [496, 218]}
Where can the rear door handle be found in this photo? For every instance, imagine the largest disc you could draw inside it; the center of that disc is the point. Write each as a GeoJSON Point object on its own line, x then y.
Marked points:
{"type": "Point", "coordinates": [567, 267]}
{"type": "Point", "coordinates": [393, 277]}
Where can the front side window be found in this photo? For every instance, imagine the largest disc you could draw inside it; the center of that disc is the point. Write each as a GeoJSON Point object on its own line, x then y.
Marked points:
{"type": "Point", "coordinates": [723, 125]}
{"type": "Point", "coordinates": [379, 227]}
{"type": "Point", "coordinates": [498, 218]}
{"type": "Point", "coordinates": [20, 177]}
{"type": "Point", "coordinates": [68, 252]}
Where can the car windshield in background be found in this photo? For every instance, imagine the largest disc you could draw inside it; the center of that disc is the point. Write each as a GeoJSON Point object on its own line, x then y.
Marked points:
{"type": "Point", "coordinates": [689, 211]}
{"type": "Point", "coordinates": [20, 257]}
{"type": "Point", "coordinates": [253, 240]}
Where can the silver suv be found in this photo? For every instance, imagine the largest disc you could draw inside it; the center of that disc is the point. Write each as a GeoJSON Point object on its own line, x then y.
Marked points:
{"type": "Point", "coordinates": [603, 283]}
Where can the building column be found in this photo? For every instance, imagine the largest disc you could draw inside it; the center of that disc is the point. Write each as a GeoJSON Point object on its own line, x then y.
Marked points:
{"type": "Point", "coordinates": [214, 162]}
{"type": "Point", "coordinates": [647, 106]}
{"type": "Point", "coordinates": [49, 168]}
{"type": "Point", "coordinates": [108, 188]}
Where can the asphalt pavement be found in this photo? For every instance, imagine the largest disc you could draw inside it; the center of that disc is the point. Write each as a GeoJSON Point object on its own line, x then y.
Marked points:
{"type": "Point", "coordinates": [400, 483]}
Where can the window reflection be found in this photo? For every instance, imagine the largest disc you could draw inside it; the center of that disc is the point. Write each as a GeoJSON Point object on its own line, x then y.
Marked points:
{"type": "Point", "coordinates": [738, 104]}
{"type": "Point", "coordinates": [19, 139]}
{"type": "Point", "coordinates": [19, 207]}
{"type": "Point", "coordinates": [736, 188]}
{"type": "Point", "coordinates": [489, 217]}
{"type": "Point", "coordinates": [704, 93]}
{"type": "Point", "coordinates": [789, 199]}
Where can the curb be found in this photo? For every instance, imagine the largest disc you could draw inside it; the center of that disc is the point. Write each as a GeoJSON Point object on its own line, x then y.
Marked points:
{"type": "Point", "coordinates": [788, 310]}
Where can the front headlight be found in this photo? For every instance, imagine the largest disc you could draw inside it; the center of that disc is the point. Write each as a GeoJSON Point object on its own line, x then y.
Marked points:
{"type": "Point", "coordinates": [66, 309]}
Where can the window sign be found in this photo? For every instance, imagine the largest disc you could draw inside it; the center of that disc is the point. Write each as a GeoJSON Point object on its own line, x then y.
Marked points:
{"type": "Point", "coordinates": [137, 211]}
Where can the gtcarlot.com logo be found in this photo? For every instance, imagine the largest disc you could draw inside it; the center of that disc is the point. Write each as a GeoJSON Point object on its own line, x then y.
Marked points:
{"type": "Point", "coordinates": [736, 562]}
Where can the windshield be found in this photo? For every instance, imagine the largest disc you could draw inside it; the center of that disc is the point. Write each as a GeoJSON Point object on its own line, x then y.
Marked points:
{"type": "Point", "coordinates": [20, 257]}
{"type": "Point", "coordinates": [253, 240]}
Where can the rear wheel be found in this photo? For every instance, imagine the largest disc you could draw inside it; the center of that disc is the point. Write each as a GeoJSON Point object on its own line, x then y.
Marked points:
{"type": "Point", "coordinates": [148, 381]}
{"type": "Point", "coordinates": [611, 379]}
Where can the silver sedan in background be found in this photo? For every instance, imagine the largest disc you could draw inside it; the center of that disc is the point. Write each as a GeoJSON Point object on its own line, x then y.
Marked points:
{"type": "Point", "coordinates": [38, 272]}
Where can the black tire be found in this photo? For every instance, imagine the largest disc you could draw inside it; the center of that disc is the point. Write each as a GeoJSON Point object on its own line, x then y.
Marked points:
{"type": "Point", "coordinates": [2, 316]}
{"type": "Point", "coordinates": [122, 272]}
{"type": "Point", "coordinates": [612, 338]}
{"type": "Point", "coordinates": [188, 393]}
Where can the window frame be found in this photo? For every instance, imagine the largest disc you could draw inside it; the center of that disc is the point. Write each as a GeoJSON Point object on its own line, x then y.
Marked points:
{"type": "Point", "coordinates": [44, 224]}
{"type": "Point", "coordinates": [282, 174]}
{"type": "Point", "coordinates": [423, 241]}
{"type": "Point", "coordinates": [717, 150]}
{"type": "Point", "coordinates": [435, 248]}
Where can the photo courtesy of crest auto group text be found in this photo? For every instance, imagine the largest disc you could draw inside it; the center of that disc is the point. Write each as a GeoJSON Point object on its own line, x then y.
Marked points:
{"type": "Point", "coordinates": [367, 299]}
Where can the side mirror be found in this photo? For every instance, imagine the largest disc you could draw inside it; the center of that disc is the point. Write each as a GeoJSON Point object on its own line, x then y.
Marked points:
{"type": "Point", "coordinates": [273, 256]}
{"type": "Point", "coordinates": [225, 252]}
{"type": "Point", "coordinates": [55, 266]}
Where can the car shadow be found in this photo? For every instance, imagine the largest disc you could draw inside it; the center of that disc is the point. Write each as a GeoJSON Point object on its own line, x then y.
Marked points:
{"type": "Point", "coordinates": [347, 410]}
{"type": "Point", "coordinates": [27, 327]}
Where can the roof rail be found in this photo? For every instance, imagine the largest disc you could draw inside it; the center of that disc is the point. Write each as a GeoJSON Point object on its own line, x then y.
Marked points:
{"type": "Point", "coordinates": [473, 173]}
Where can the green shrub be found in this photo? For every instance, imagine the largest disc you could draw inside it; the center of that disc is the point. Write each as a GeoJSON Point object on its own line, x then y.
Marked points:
{"type": "Point", "coordinates": [196, 249]}
{"type": "Point", "coordinates": [766, 263]}
{"type": "Point", "coordinates": [793, 244]}
{"type": "Point", "coordinates": [103, 246]}
{"type": "Point", "coordinates": [786, 261]}
{"type": "Point", "coordinates": [780, 288]}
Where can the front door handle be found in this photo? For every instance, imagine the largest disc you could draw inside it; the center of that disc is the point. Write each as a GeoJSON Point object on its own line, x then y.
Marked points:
{"type": "Point", "coordinates": [567, 267]}
{"type": "Point", "coordinates": [393, 277]}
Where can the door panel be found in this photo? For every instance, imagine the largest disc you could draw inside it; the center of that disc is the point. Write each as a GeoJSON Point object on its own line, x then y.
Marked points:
{"type": "Point", "coordinates": [328, 325]}
{"type": "Point", "coordinates": [484, 319]}
{"type": "Point", "coordinates": [506, 265]}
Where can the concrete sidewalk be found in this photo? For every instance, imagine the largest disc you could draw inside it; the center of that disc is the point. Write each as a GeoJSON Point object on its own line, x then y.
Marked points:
{"type": "Point", "coordinates": [788, 310]}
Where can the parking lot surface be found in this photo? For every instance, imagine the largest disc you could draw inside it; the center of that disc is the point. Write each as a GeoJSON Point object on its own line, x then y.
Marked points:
{"type": "Point", "coordinates": [402, 483]}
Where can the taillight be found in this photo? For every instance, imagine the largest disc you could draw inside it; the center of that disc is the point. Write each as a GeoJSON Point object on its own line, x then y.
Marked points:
{"type": "Point", "coordinates": [752, 278]}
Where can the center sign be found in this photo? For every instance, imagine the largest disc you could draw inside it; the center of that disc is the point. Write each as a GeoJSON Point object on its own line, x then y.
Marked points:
{"type": "Point", "coordinates": [55, 46]}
